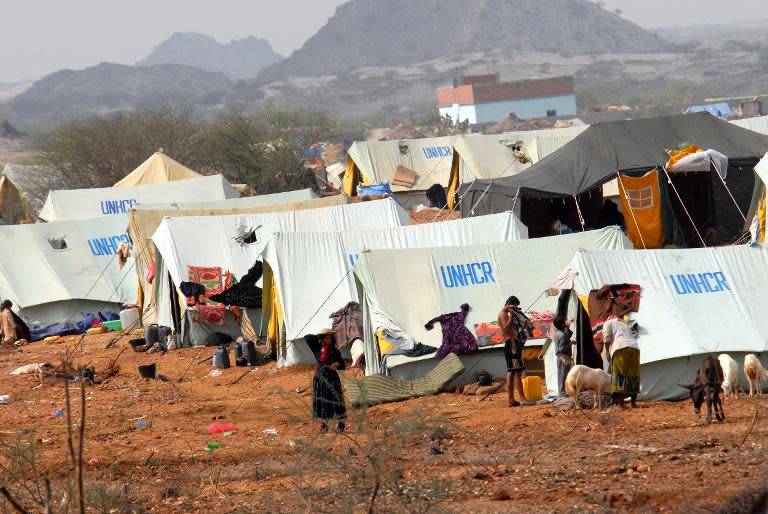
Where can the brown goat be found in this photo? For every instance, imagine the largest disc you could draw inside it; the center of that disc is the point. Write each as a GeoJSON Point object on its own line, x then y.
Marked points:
{"type": "Point", "coordinates": [707, 385]}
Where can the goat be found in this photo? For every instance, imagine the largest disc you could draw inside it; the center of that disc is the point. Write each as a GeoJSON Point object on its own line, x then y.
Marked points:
{"type": "Point", "coordinates": [730, 375]}
{"type": "Point", "coordinates": [581, 378]}
{"type": "Point", "coordinates": [755, 372]}
{"type": "Point", "coordinates": [709, 380]}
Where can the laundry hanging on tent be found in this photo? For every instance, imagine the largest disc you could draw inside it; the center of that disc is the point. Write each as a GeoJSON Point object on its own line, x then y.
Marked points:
{"type": "Point", "coordinates": [456, 336]}
{"type": "Point", "coordinates": [123, 252]}
{"type": "Point", "coordinates": [209, 277]}
{"type": "Point", "coordinates": [641, 201]}
{"type": "Point", "coordinates": [193, 292]}
{"type": "Point", "coordinates": [348, 324]}
{"type": "Point", "coordinates": [242, 293]}
{"type": "Point", "coordinates": [210, 314]}
{"type": "Point", "coordinates": [151, 272]}
{"type": "Point", "coordinates": [611, 300]}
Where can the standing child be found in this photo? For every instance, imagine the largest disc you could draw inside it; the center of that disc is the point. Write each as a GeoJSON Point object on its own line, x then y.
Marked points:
{"type": "Point", "coordinates": [516, 328]}
{"type": "Point", "coordinates": [563, 350]}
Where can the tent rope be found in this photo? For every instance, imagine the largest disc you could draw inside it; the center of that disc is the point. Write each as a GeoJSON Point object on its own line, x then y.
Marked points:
{"type": "Point", "coordinates": [457, 203]}
{"type": "Point", "coordinates": [629, 204]}
{"type": "Point", "coordinates": [432, 170]}
{"type": "Point", "coordinates": [514, 202]}
{"type": "Point", "coordinates": [578, 211]}
{"type": "Point", "coordinates": [729, 191]}
{"type": "Point", "coordinates": [472, 210]}
{"type": "Point", "coordinates": [669, 181]}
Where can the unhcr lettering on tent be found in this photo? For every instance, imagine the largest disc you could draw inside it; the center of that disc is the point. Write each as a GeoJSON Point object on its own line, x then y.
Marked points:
{"type": "Point", "coordinates": [466, 275]}
{"type": "Point", "coordinates": [353, 258]}
{"type": "Point", "coordinates": [107, 245]}
{"type": "Point", "coordinates": [700, 283]}
{"type": "Point", "coordinates": [117, 206]}
{"type": "Point", "coordinates": [437, 152]}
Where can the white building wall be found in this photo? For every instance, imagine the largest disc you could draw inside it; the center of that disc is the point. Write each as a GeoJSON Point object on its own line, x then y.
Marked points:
{"type": "Point", "coordinates": [528, 108]}
{"type": "Point", "coordinates": [460, 113]}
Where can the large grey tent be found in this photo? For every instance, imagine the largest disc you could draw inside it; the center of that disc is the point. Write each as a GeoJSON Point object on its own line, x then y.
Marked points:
{"type": "Point", "coordinates": [632, 148]}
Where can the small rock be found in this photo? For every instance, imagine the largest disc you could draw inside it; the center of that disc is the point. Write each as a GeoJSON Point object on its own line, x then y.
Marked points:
{"type": "Point", "coordinates": [674, 457]}
{"type": "Point", "coordinates": [501, 495]}
{"type": "Point", "coordinates": [480, 475]}
{"type": "Point", "coordinates": [642, 468]}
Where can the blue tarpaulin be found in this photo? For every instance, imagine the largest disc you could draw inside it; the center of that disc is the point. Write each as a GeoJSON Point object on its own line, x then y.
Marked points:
{"type": "Point", "coordinates": [375, 189]}
{"type": "Point", "coordinates": [721, 110]}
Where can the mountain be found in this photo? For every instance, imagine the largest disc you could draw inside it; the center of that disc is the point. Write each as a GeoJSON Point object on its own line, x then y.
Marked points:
{"type": "Point", "coordinates": [238, 59]}
{"type": "Point", "coordinates": [113, 87]}
{"type": "Point", "coordinates": [399, 32]}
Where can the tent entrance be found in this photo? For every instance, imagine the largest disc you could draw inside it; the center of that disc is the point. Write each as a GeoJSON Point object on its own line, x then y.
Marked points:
{"type": "Point", "coordinates": [541, 214]}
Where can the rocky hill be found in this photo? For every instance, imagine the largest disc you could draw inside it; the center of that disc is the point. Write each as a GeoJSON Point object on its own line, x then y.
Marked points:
{"type": "Point", "coordinates": [108, 87]}
{"type": "Point", "coordinates": [238, 59]}
{"type": "Point", "coordinates": [400, 32]}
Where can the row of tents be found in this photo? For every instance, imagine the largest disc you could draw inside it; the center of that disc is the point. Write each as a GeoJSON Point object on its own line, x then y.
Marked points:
{"type": "Point", "coordinates": [307, 257]}
{"type": "Point", "coordinates": [574, 169]}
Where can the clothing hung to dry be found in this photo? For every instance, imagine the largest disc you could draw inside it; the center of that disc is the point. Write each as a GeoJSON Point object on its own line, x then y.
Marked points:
{"type": "Point", "coordinates": [456, 336]}
{"type": "Point", "coordinates": [244, 293]}
{"type": "Point", "coordinates": [610, 300]}
{"type": "Point", "coordinates": [348, 324]}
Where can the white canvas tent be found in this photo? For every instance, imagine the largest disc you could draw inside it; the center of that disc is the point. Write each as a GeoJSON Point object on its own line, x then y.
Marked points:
{"type": "Point", "coordinates": [80, 204]}
{"type": "Point", "coordinates": [757, 210]}
{"type": "Point", "coordinates": [756, 124]}
{"type": "Point", "coordinates": [375, 161]}
{"type": "Point", "coordinates": [487, 157]}
{"type": "Point", "coordinates": [692, 302]}
{"type": "Point", "coordinates": [234, 243]}
{"type": "Point", "coordinates": [402, 297]}
{"type": "Point", "coordinates": [245, 202]}
{"type": "Point", "coordinates": [56, 272]}
{"type": "Point", "coordinates": [325, 259]}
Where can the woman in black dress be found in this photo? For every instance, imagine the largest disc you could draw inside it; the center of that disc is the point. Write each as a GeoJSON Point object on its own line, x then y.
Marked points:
{"type": "Point", "coordinates": [327, 396]}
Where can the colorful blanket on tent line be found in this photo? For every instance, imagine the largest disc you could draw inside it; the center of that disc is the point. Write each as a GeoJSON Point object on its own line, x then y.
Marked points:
{"type": "Point", "coordinates": [209, 277]}
{"type": "Point", "coordinates": [610, 300]}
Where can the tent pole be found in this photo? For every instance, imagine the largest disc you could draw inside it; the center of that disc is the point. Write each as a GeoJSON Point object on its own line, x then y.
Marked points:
{"type": "Point", "coordinates": [729, 191]}
{"type": "Point", "coordinates": [669, 181]}
{"type": "Point", "coordinates": [631, 210]}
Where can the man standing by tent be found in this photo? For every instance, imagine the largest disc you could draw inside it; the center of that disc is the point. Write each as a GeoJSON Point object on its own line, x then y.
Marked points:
{"type": "Point", "coordinates": [13, 327]}
{"type": "Point", "coordinates": [516, 328]}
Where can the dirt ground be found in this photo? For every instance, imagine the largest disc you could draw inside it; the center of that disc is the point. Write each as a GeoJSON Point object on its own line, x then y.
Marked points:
{"type": "Point", "coordinates": [445, 453]}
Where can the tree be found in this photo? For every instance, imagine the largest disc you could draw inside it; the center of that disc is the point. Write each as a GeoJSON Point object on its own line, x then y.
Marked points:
{"type": "Point", "coordinates": [266, 149]}
{"type": "Point", "coordinates": [98, 152]}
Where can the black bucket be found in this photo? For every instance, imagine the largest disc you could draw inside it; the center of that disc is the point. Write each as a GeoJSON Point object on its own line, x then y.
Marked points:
{"type": "Point", "coordinates": [148, 370]}
{"type": "Point", "coordinates": [151, 335]}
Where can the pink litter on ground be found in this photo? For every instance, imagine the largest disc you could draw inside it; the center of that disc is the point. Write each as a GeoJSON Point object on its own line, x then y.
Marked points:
{"type": "Point", "coordinates": [220, 428]}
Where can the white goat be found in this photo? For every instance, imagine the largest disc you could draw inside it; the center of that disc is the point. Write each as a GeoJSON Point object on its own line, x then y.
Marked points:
{"type": "Point", "coordinates": [755, 372]}
{"type": "Point", "coordinates": [582, 378]}
{"type": "Point", "coordinates": [730, 375]}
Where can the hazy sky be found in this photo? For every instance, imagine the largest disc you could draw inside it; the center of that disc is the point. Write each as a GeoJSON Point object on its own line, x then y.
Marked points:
{"type": "Point", "coordinates": [41, 36]}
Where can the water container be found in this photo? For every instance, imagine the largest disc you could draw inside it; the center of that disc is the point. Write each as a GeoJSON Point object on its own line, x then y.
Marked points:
{"type": "Point", "coordinates": [129, 318]}
{"type": "Point", "coordinates": [249, 352]}
{"type": "Point", "coordinates": [221, 358]}
{"type": "Point", "coordinates": [151, 334]}
{"type": "Point", "coordinates": [239, 350]}
{"type": "Point", "coordinates": [162, 335]}
{"type": "Point", "coordinates": [532, 388]}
